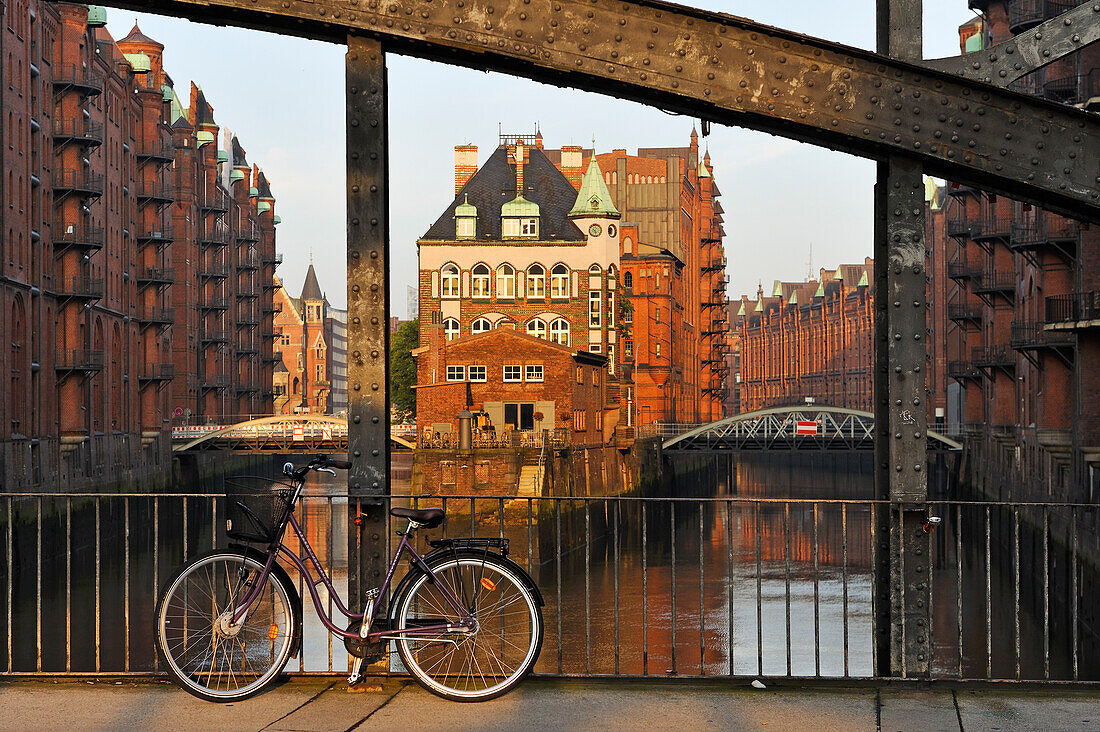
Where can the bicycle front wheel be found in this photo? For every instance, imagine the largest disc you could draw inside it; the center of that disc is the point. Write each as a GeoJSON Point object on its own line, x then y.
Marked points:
{"type": "Point", "coordinates": [209, 655]}
{"type": "Point", "coordinates": [478, 664]}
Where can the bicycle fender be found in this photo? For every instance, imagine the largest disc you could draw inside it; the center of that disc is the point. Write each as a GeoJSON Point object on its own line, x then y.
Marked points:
{"type": "Point", "coordinates": [448, 553]}
{"type": "Point", "coordinates": [295, 599]}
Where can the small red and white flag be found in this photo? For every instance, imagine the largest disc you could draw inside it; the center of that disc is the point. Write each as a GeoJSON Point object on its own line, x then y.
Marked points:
{"type": "Point", "coordinates": [805, 428]}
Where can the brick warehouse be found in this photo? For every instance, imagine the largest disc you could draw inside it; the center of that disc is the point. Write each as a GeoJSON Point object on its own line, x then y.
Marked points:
{"type": "Point", "coordinates": [114, 290]}
{"type": "Point", "coordinates": [1023, 303]}
{"type": "Point", "coordinates": [556, 272]}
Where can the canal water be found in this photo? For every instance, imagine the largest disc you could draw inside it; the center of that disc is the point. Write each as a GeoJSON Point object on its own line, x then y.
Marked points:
{"type": "Point", "coordinates": [691, 587]}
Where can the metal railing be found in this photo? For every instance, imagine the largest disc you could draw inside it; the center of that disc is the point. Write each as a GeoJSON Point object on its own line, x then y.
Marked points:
{"type": "Point", "coordinates": [717, 587]}
{"type": "Point", "coordinates": [1023, 14]}
{"type": "Point", "coordinates": [559, 437]}
{"type": "Point", "coordinates": [77, 180]}
{"type": "Point", "coordinates": [1073, 307]}
{"type": "Point", "coordinates": [78, 128]}
{"type": "Point", "coordinates": [1028, 336]}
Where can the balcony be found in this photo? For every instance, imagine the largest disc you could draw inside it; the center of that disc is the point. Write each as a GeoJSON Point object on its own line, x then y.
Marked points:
{"type": "Point", "coordinates": [154, 191]}
{"type": "Point", "coordinates": [963, 189]}
{"type": "Point", "coordinates": [247, 349]}
{"type": "Point", "coordinates": [963, 371]}
{"type": "Point", "coordinates": [275, 307]}
{"type": "Point", "coordinates": [216, 237]}
{"type": "Point", "coordinates": [247, 291]}
{"type": "Point", "coordinates": [993, 357]}
{"type": "Point", "coordinates": [79, 288]}
{"type": "Point", "coordinates": [78, 78]}
{"type": "Point", "coordinates": [154, 233]}
{"type": "Point", "coordinates": [248, 321]}
{"type": "Point", "coordinates": [157, 372]}
{"type": "Point", "coordinates": [958, 228]}
{"type": "Point", "coordinates": [1033, 336]}
{"type": "Point", "coordinates": [214, 336]}
{"type": "Point", "coordinates": [74, 235]}
{"type": "Point", "coordinates": [247, 387]}
{"type": "Point", "coordinates": [964, 313]}
{"type": "Point", "coordinates": [249, 232]}
{"type": "Point", "coordinates": [995, 282]}
{"type": "Point", "coordinates": [273, 358]}
{"type": "Point", "coordinates": [79, 182]}
{"type": "Point", "coordinates": [213, 302]}
{"type": "Point", "coordinates": [156, 151]}
{"type": "Point", "coordinates": [1025, 14]}
{"type": "Point", "coordinates": [155, 276]}
{"type": "Point", "coordinates": [249, 262]}
{"type": "Point", "coordinates": [1047, 230]}
{"type": "Point", "coordinates": [214, 201]}
{"type": "Point", "coordinates": [1078, 310]}
{"type": "Point", "coordinates": [960, 271]}
{"type": "Point", "coordinates": [216, 382]}
{"type": "Point", "coordinates": [273, 259]}
{"type": "Point", "coordinates": [992, 227]}
{"type": "Point", "coordinates": [156, 316]}
{"type": "Point", "coordinates": [213, 272]}
{"type": "Point", "coordinates": [78, 360]}
{"type": "Point", "coordinates": [80, 130]}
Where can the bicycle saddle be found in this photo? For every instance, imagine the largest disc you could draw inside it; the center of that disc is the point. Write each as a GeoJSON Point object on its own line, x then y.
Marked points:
{"type": "Point", "coordinates": [429, 518]}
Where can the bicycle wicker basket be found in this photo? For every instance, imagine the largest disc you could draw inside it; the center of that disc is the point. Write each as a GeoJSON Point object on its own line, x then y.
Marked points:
{"type": "Point", "coordinates": [254, 507]}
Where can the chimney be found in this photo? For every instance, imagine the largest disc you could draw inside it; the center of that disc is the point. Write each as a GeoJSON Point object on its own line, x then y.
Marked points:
{"type": "Point", "coordinates": [437, 351]}
{"type": "Point", "coordinates": [519, 155]}
{"type": "Point", "coordinates": [465, 165]}
{"type": "Point", "coordinates": [572, 162]}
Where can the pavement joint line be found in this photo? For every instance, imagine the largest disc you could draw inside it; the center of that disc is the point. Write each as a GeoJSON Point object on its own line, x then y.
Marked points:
{"type": "Point", "coordinates": [303, 704]}
{"type": "Point", "coordinates": [878, 710]}
{"type": "Point", "coordinates": [377, 709]}
{"type": "Point", "coordinates": [958, 712]}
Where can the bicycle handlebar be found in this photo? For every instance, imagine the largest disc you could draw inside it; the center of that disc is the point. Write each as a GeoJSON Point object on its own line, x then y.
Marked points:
{"type": "Point", "coordinates": [320, 462]}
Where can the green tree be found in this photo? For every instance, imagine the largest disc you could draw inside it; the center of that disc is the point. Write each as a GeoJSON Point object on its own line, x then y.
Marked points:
{"type": "Point", "coordinates": [403, 367]}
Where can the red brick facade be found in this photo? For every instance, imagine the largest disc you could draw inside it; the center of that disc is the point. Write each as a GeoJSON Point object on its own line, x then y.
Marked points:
{"type": "Point", "coordinates": [108, 293]}
{"type": "Point", "coordinates": [303, 377]}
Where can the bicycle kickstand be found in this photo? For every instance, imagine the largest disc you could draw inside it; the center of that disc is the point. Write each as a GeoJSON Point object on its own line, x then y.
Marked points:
{"type": "Point", "coordinates": [364, 629]}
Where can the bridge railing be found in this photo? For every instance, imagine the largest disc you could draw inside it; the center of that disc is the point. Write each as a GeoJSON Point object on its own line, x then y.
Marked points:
{"type": "Point", "coordinates": [725, 586]}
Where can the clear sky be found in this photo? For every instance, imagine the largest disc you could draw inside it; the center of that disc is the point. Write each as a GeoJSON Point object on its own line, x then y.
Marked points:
{"type": "Point", "coordinates": [284, 99]}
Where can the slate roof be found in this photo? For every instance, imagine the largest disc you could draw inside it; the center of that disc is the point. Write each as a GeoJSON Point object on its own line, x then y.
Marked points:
{"type": "Point", "coordinates": [204, 113]}
{"type": "Point", "coordinates": [136, 36]}
{"type": "Point", "coordinates": [262, 187]}
{"type": "Point", "coordinates": [311, 290]}
{"type": "Point", "coordinates": [239, 160]}
{"type": "Point", "coordinates": [494, 185]}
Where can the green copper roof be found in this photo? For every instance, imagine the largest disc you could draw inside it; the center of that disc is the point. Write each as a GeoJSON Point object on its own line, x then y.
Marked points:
{"type": "Point", "coordinates": [703, 172]}
{"type": "Point", "coordinates": [820, 290]}
{"type": "Point", "coordinates": [469, 210]}
{"type": "Point", "coordinates": [139, 62]}
{"type": "Point", "coordinates": [167, 93]}
{"type": "Point", "coordinates": [974, 43]}
{"type": "Point", "coordinates": [794, 298]}
{"type": "Point", "coordinates": [741, 310]}
{"type": "Point", "coordinates": [521, 207]}
{"type": "Point", "coordinates": [759, 306]}
{"type": "Point", "coordinates": [593, 199]}
{"type": "Point", "coordinates": [276, 219]}
{"type": "Point", "coordinates": [223, 156]}
{"type": "Point", "coordinates": [97, 16]}
{"type": "Point", "coordinates": [253, 191]}
{"type": "Point", "coordinates": [777, 290]}
{"type": "Point", "coordinates": [263, 207]}
{"type": "Point", "coordinates": [863, 280]}
{"type": "Point", "coordinates": [204, 137]}
{"type": "Point", "coordinates": [236, 175]}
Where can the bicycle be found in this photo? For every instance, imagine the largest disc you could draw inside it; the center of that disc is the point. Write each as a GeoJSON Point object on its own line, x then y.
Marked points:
{"type": "Point", "coordinates": [466, 619]}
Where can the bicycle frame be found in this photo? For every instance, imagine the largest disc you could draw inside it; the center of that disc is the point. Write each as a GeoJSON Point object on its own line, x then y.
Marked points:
{"type": "Point", "coordinates": [403, 546]}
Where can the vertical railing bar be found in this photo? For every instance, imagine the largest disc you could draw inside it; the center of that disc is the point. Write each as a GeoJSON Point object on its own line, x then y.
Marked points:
{"type": "Point", "coordinates": [787, 576]}
{"type": "Point", "coordinates": [902, 541]}
{"type": "Point", "coordinates": [1046, 592]}
{"type": "Point", "coordinates": [98, 501]}
{"type": "Point", "coordinates": [69, 583]}
{"type": "Point", "coordinates": [615, 541]}
{"type": "Point", "coordinates": [844, 577]}
{"type": "Point", "coordinates": [473, 524]}
{"type": "Point", "coordinates": [11, 582]}
{"type": "Point", "coordinates": [156, 564]}
{"type": "Point", "coordinates": [874, 510]}
{"type": "Point", "coordinates": [817, 598]}
{"type": "Point", "coordinates": [330, 558]}
{"type": "Point", "coordinates": [530, 537]}
{"type": "Point", "coordinates": [126, 582]}
{"type": "Point", "coordinates": [672, 575]}
{"type": "Point", "coordinates": [587, 588]}
{"type": "Point", "coordinates": [759, 596]}
{"type": "Point", "coordinates": [1073, 592]}
{"type": "Point", "coordinates": [702, 616]}
{"type": "Point", "coordinates": [645, 594]}
{"type": "Point", "coordinates": [557, 560]}
{"type": "Point", "coordinates": [959, 582]}
{"type": "Point", "coordinates": [729, 583]}
{"type": "Point", "coordinates": [989, 600]}
{"type": "Point", "coordinates": [1016, 580]}
{"type": "Point", "coordinates": [38, 589]}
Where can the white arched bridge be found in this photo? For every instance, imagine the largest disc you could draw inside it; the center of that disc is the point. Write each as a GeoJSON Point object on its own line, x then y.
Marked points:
{"type": "Point", "coordinates": [280, 433]}
{"type": "Point", "coordinates": [801, 427]}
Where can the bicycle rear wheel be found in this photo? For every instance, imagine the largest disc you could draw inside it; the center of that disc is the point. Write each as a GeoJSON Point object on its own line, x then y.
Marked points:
{"type": "Point", "coordinates": [479, 664]}
{"type": "Point", "coordinates": [208, 655]}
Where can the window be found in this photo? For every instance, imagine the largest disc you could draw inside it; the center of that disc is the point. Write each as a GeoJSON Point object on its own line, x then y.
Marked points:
{"type": "Point", "coordinates": [465, 227]}
{"type": "Point", "coordinates": [320, 372]}
{"type": "Point", "coordinates": [536, 282]}
{"type": "Point", "coordinates": [519, 416]}
{"type": "Point", "coordinates": [481, 325]}
{"type": "Point", "coordinates": [533, 372]}
{"type": "Point", "coordinates": [559, 331]}
{"type": "Point", "coordinates": [537, 328]}
{"type": "Point", "coordinates": [450, 329]}
{"type": "Point", "coordinates": [529, 227]}
{"type": "Point", "coordinates": [628, 280]}
{"type": "Point", "coordinates": [450, 281]}
{"type": "Point", "coordinates": [611, 358]}
{"type": "Point", "coordinates": [512, 372]}
{"type": "Point", "coordinates": [628, 350]}
{"type": "Point", "coordinates": [580, 374]}
{"type": "Point", "coordinates": [610, 308]}
{"type": "Point", "coordinates": [456, 373]}
{"type": "Point", "coordinates": [658, 350]}
{"type": "Point", "coordinates": [599, 421]}
{"type": "Point", "coordinates": [477, 373]}
{"type": "Point", "coordinates": [579, 420]}
{"type": "Point", "coordinates": [506, 281]}
{"type": "Point", "coordinates": [481, 281]}
{"type": "Point", "coordinates": [299, 362]}
{"type": "Point", "coordinates": [594, 270]}
{"type": "Point", "coordinates": [559, 282]}
{"type": "Point", "coordinates": [595, 377]}
{"type": "Point", "coordinates": [657, 315]}
{"type": "Point", "coordinates": [594, 309]}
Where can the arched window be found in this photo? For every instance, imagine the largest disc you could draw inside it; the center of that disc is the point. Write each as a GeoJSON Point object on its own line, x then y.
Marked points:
{"type": "Point", "coordinates": [450, 329]}
{"type": "Point", "coordinates": [481, 325]}
{"type": "Point", "coordinates": [537, 328]}
{"type": "Point", "coordinates": [559, 282]}
{"type": "Point", "coordinates": [594, 270]}
{"type": "Point", "coordinates": [506, 281]}
{"type": "Point", "coordinates": [449, 280]}
{"type": "Point", "coordinates": [536, 281]}
{"type": "Point", "coordinates": [628, 280]}
{"type": "Point", "coordinates": [481, 281]}
{"type": "Point", "coordinates": [559, 331]}
{"type": "Point", "coordinates": [297, 385]}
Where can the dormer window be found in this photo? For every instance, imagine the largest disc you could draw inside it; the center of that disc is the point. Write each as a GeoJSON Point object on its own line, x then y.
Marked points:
{"type": "Point", "coordinates": [520, 227]}
{"type": "Point", "coordinates": [519, 218]}
{"type": "Point", "coordinates": [465, 220]}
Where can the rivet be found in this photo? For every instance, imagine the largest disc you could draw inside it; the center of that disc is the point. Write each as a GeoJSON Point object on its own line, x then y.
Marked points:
{"type": "Point", "coordinates": [374, 387]}
{"type": "Point", "coordinates": [374, 420]}
{"type": "Point", "coordinates": [355, 419]}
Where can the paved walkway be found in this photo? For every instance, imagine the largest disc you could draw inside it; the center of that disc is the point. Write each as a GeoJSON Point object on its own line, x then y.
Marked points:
{"type": "Point", "coordinates": [325, 704]}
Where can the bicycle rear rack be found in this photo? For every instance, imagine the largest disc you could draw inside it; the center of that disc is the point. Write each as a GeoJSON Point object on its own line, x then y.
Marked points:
{"type": "Point", "coordinates": [472, 542]}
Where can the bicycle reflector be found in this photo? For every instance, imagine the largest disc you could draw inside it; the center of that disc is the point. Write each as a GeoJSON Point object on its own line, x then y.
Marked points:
{"type": "Point", "coordinates": [273, 633]}
{"type": "Point", "coordinates": [488, 584]}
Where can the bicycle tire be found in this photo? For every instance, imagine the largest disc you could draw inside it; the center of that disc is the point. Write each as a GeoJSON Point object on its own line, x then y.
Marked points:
{"type": "Point", "coordinates": [484, 664]}
{"type": "Point", "coordinates": [203, 658]}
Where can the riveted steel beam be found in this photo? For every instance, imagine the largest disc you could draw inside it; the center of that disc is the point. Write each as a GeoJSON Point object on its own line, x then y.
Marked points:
{"type": "Point", "coordinates": [1044, 44]}
{"type": "Point", "coordinates": [368, 314]}
{"type": "Point", "coordinates": [730, 70]}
